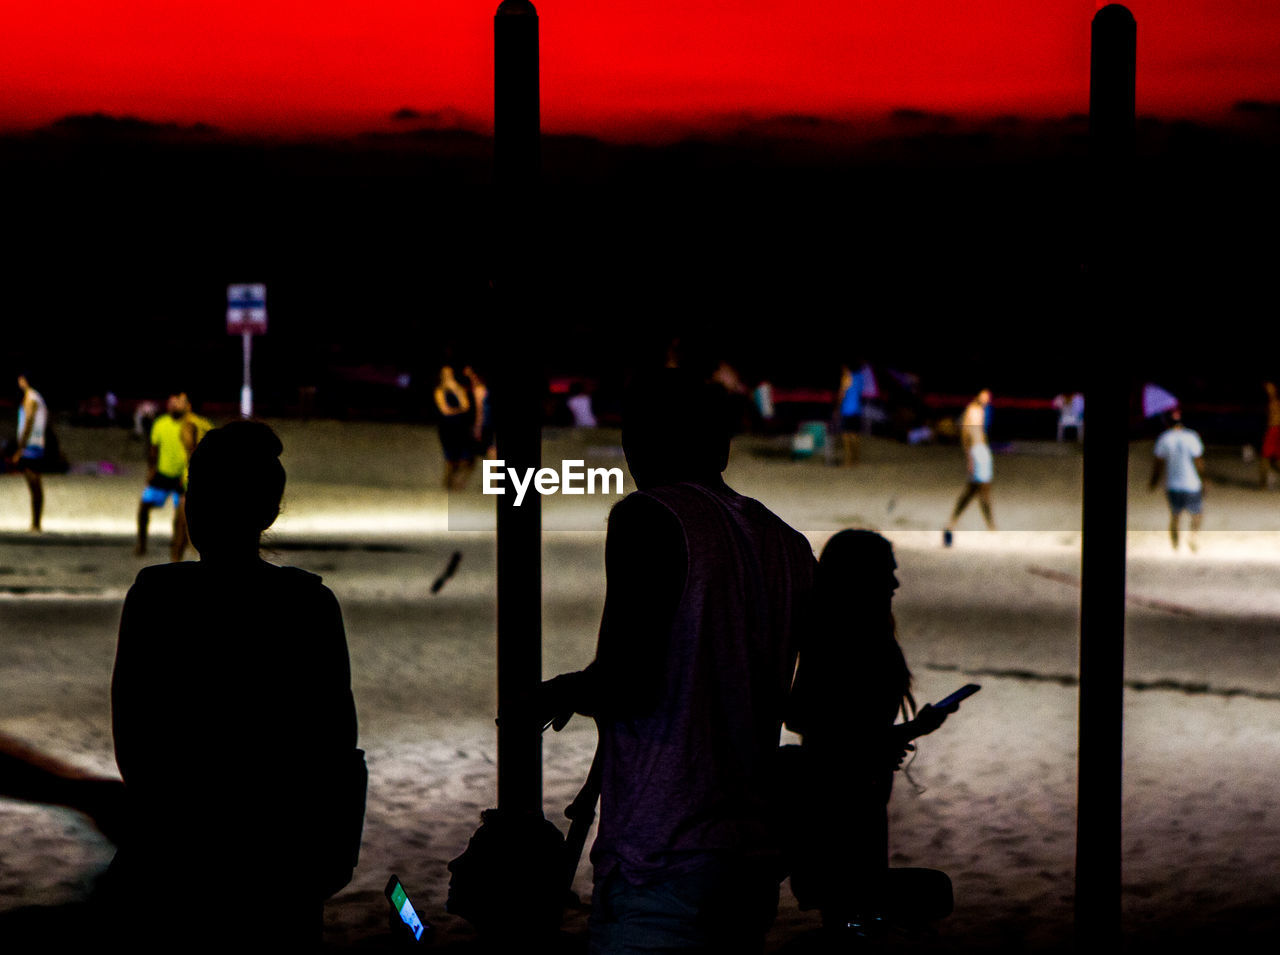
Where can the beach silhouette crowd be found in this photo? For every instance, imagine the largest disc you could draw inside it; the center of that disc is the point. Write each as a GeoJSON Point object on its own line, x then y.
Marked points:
{"type": "Point", "coordinates": [720, 628]}
{"type": "Point", "coordinates": [235, 726]}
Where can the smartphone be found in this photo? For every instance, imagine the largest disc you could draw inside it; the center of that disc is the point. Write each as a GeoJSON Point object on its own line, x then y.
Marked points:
{"type": "Point", "coordinates": [399, 900]}
{"type": "Point", "coordinates": [963, 693]}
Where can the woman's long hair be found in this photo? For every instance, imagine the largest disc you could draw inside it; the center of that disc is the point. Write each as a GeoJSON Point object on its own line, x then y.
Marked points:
{"type": "Point", "coordinates": [855, 595]}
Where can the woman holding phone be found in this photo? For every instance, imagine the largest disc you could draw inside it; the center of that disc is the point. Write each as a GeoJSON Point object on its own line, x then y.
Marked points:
{"type": "Point", "coordinates": [852, 685]}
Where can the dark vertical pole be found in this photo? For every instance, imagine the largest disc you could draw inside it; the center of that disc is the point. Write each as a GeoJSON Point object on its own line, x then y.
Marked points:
{"type": "Point", "coordinates": [1105, 506]}
{"type": "Point", "coordinates": [1112, 94]}
{"type": "Point", "coordinates": [517, 397]}
{"type": "Point", "coordinates": [516, 115]}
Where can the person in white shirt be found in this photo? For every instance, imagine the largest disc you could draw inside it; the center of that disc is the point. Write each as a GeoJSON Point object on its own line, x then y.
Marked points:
{"type": "Point", "coordinates": [1178, 455]}
{"type": "Point", "coordinates": [580, 406]}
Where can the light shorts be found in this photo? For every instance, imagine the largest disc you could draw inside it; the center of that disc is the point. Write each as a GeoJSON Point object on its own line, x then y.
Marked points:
{"type": "Point", "coordinates": [983, 469]}
{"type": "Point", "coordinates": [1189, 501]}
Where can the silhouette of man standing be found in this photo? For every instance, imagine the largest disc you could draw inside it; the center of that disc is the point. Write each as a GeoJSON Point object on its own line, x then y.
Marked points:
{"type": "Point", "coordinates": [706, 597]}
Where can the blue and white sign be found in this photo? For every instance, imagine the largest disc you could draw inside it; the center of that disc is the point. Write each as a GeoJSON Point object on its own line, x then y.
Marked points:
{"type": "Point", "coordinates": [246, 309]}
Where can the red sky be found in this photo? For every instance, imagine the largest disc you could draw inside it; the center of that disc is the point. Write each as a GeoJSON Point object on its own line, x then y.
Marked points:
{"type": "Point", "coordinates": [612, 68]}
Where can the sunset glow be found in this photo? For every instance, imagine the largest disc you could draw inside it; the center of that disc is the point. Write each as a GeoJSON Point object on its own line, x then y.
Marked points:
{"type": "Point", "coordinates": [329, 66]}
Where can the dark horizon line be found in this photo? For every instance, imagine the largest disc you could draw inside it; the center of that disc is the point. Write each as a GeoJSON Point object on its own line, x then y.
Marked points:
{"type": "Point", "coordinates": [406, 122]}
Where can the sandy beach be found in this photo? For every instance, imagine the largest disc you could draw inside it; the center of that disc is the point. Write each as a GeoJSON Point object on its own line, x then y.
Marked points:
{"type": "Point", "coordinates": [991, 796]}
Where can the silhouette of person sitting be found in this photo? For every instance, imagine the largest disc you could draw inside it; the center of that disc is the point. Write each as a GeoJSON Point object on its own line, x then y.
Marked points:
{"type": "Point", "coordinates": [706, 593]}
{"type": "Point", "coordinates": [852, 683]}
{"type": "Point", "coordinates": [234, 726]}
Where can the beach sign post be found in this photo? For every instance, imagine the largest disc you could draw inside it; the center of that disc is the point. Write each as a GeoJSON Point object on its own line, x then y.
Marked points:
{"type": "Point", "coordinates": [247, 317]}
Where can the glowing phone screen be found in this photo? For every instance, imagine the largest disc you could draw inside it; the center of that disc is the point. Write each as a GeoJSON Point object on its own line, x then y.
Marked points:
{"type": "Point", "coordinates": [407, 914]}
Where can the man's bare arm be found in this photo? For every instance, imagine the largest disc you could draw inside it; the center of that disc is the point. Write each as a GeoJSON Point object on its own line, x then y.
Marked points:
{"type": "Point", "coordinates": [645, 564]}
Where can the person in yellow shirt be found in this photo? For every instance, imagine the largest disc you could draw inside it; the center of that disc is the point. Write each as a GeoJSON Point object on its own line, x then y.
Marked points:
{"type": "Point", "coordinates": [173, 437]}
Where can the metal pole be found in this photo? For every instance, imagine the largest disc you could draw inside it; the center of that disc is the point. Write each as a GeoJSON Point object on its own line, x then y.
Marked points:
{"type": "Point", "coordinates": [1112, 84]}
{"type": "Point", "coordinates": [246, 390]}
{"type": "Point", "coordinates": [516, 116]}
{"type": "Point", "coordinates": [517, 397]}
{"type": "Point", "coordinates": [1105, 504]}
{"type": "Point", "coordinates": [509, 883]}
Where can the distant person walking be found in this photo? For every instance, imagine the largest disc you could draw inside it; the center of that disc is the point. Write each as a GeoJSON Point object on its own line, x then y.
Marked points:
{"type": "Point", "coordinates": [234, 729]}
{"type": "Point", "coordinates": [849, 409]}
{"type": "Point", "coordinates": [173, 439]}
{"type": "Point", "coordinates": [852, 684]}
{"type": "Point", "coordinates": [978, 459]}
{"type": "Point", "coordinates": [707, 594]}
{"type": "Point", "coordinates": [456, 421]}
{"type": "Point", "coordinates": [1178, 455]}
{"type": "Point", "coordinates": [1270, 457]}
{"type": "Point", "coordinates": [29, 453]}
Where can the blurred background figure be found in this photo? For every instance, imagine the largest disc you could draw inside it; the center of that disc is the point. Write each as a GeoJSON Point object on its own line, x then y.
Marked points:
{"type": "Point", "coordinates": [457, 438]}
{"type": "Point", "coordinates": [849, 411]}
{"type": "Point", "coordinates": [579, 403]}
{"type": "Point", "coordinates": [194, 426]}
{"type": "Point", "coordinates": [735, 396]}
{"type": "Point", "coordinates": [173, 438]}
{"type": "Point", "coordinates": [1270, 456]}
{"type": "Point", "coordinates": [28, 456]}
{"type": "Point", "coordinates": [978, 460]}
{"type": "Point", "coordinates": [1178, 453]}
{"type": "Point", "coordinates": [144, 416]}
{"type": "Point", "coordinates": [1070, 415]}
{"type": "Point", "coordinates": [482, 428]}
{"type": "Point", "coordinates": [766, 411]}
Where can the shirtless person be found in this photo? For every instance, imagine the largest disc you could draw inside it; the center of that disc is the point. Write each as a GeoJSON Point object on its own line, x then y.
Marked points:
{"type": "Point", "coordinates": [973, 438]}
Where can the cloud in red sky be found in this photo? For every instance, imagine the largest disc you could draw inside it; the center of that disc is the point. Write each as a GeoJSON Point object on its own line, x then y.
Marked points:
{"type": "Point", "coordinates": [331, 65]}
